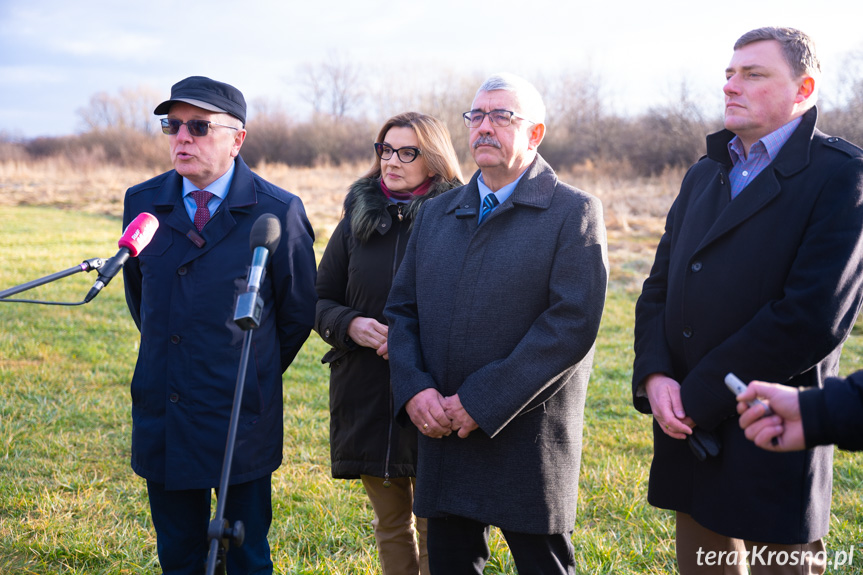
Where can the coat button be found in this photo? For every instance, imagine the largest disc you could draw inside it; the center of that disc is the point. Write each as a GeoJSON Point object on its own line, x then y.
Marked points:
{"type": "Point", "coordinates": [175, 338]}
{"type": "Point", "coordinates": [696, 266]}
{"type": "Point", "coordinates": [182, 271]}
{"type": "Point", "coordinates": [327, 333]}
{"type": "Point", "coordinates": [174, 398]}
{"type": "Point", "coordinates": [687, 332]}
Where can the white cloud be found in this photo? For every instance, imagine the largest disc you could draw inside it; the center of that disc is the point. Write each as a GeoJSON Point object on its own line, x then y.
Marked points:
{"type": "Point", "coordinates": [640, 50]}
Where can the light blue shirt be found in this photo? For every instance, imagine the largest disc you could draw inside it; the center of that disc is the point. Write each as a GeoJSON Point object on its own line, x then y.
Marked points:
{"type": "Point", "coordinates": [502, 194]}
{"type": "Point", "coordinates": [219, 189]}
{"type": "Point", "coordinates": [761, 153]}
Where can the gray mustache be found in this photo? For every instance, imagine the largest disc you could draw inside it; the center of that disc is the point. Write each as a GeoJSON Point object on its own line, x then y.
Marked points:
{"type": "Point", "coordinates": [486, 141]}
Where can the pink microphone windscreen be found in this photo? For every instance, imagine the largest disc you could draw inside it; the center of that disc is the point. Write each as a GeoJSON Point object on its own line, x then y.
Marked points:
{"type": "Point", "coordinates": [139, 233]}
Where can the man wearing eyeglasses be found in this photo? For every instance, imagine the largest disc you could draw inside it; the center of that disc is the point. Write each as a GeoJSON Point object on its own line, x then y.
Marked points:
{"type": "Point", "coordinates": [181, 292]}
{"type": "Point", "coordinates": [493, 318]}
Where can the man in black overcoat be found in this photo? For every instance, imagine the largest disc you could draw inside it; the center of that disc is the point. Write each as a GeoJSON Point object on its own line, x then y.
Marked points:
{"type": "Point", "coordinates": [759, 273]}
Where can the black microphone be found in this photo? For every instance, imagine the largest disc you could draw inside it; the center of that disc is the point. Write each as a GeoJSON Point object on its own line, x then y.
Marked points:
{"type": "Point", "coordinates": [134, 239]}
{"type": "Point", "coordinates": [263, 240]}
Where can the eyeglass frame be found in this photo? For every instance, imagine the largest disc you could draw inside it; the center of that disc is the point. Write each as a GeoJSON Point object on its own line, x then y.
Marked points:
{"type": "Point", "coordinates": [379, 146]}
{"type": "Point", "coordinates": [166, 125]}
{"type": "Point", "coordinates": [469, 123]}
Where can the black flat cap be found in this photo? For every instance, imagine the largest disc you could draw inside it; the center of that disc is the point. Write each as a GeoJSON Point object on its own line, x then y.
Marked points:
{"type": "Point", "coordinates": [207, 94]}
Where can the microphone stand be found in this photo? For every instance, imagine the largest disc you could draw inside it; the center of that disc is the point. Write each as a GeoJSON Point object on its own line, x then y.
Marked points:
{"type": "Point", "coordinates": [85, 266]}
{"type": "Point", "coordinates": [220, 533]}
{"type": "Point", "coordinates": [248, 310]}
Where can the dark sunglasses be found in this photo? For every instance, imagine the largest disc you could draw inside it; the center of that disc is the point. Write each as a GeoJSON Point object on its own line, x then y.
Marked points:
{"type": "Point", "coordinates": [407, 154]}
{"type": "Point", "coordinates": [197, 128]}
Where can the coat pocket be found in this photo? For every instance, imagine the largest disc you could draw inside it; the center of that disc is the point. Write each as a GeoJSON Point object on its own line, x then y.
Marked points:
{"type": "Point", "coordinates": [334, 355]}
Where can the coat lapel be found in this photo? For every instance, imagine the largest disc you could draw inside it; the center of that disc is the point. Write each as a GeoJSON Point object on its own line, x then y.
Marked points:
{"type": "Point", "coordinates": [466, 197]}
{"type": "Point", "coordinates": [535, 189]}
{"type": "Point", "coordinates": [169, 203]}
{"type": "Point", "coordinates": [241, 197]}
{"type": "Point", "coordinates": [793, 157]}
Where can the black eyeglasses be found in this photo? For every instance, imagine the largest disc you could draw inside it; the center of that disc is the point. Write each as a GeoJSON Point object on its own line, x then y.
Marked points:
{"type": "Point", "coordinates": [197, 128]}
{"type": "Point", "coordinates": [407, 154]}
{"type": "Point", "coordinates": [499, 118]}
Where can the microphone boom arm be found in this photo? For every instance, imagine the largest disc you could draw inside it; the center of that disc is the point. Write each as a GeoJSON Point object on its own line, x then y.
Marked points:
{"type": "Point", "coordinates": [85, 266]}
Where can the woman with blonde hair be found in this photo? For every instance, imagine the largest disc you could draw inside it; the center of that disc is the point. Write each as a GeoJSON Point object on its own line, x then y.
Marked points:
{"type": "Point", "coordinates": [414, 162]}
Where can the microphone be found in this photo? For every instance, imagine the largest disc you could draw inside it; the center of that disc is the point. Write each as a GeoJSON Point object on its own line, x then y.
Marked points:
{"type": "Point", "coordinates": [263, 241]}
{"type": "Point", "coordinates": [134, 239]}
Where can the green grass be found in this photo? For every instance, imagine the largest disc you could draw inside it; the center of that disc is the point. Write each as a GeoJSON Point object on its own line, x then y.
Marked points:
{"type": "Point", "coordinates": [70, 504]}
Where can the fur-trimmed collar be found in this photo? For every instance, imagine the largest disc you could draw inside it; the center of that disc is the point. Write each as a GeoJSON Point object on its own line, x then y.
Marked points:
{"type": "Point", "coordinates": [366, 206]}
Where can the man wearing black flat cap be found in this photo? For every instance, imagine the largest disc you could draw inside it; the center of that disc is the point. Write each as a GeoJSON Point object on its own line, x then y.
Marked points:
{"type": "Point", "coordinates": [181, 291]}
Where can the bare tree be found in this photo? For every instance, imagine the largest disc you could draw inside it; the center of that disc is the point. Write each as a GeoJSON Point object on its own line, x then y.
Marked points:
{"type": "Point", "coordinates": [581, 128]}
{"type": "Point", "coordinates": [129, 109]}
{"type": "Point", "coordinates": [333, 86]}
{"type": "Point", "coordinates": [843, 115]}
{"type": "Point", "coordinates": [270, 135]}
{"type": "Point", "coordinates": [671, 135]}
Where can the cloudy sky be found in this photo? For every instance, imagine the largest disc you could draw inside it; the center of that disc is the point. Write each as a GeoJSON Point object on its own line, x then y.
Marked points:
{"type": "Point", "coordinates": [56, 54]}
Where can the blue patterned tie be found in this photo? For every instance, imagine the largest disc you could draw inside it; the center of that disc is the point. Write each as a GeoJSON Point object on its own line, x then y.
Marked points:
{"type": "Point", "coordinates": [489, 203]}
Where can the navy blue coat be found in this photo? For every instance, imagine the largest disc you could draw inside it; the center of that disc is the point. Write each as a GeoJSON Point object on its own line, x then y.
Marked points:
{"type": "Point", "coordinates": [767, 286]}
{"type": "Point", "coordinates": [506, 315]}
{"type": "Point", "coordinates": [182, 298]}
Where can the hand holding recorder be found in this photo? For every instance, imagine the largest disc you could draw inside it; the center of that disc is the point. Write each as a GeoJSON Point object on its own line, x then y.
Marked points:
{"type": "Point", "coordinates": [773, 424]}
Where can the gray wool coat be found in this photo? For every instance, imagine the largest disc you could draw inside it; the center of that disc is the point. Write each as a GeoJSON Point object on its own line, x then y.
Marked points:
{"type": "Point", "coordinates": [506, 315]}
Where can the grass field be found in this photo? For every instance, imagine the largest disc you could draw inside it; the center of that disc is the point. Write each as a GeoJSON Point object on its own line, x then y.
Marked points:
{"type": "Point", "coordinates": [70, 504]}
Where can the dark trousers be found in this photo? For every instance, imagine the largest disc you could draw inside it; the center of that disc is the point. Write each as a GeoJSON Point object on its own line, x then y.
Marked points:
{"type": "Point", "coordinates": [459, 546]}
{"type": "Point", "coordinates": [181, 519]}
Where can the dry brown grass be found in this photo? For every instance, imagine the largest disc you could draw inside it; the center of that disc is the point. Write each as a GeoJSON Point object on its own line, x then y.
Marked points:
{"type": "Point", "coordinates": [322, 189]}
{"type": "Point", "coordinates": [66, 184]}
{"type": "Point", "coordinates": [634, 207]}
{"type": "Point", "coordinates": [100, 189]}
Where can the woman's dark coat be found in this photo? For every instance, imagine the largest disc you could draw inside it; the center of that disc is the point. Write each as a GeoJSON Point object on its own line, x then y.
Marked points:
{"type": "Point", "coordinates": [354, 279]}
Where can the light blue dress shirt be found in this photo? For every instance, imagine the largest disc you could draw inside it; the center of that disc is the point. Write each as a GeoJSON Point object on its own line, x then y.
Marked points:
{"type": "Point", "coordinates": [502, 194]}
{"type": "Point", "coordinates": [761, 153]}
{"type": "Point", "coordinates": [219, 189]}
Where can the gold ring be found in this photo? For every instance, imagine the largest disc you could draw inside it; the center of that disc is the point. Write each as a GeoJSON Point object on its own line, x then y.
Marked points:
{"type": "Point", "coordinates": [425, 425]}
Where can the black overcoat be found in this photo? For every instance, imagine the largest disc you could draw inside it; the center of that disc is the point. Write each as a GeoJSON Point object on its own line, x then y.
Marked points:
{"type": "Point", "coordinates": [767, 286]}
{"type": "Point", "coordinates": [834, 414]}
{"type": "Point", "coordinates": [354, 280]}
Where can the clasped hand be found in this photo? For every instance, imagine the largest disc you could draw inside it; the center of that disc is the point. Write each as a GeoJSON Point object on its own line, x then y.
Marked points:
{"type": "Point", "coordinates": [667, 407]}
{"type": "Point", "coordinates": [437, 416]}
{"type": "Point", "coordinates": [369, 332]}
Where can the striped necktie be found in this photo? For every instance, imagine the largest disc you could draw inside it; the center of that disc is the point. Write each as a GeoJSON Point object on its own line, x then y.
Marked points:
{"type": "Point", "coordinates": [202, 213]}
{"type": "Point", "coordinates": [489, 203]}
